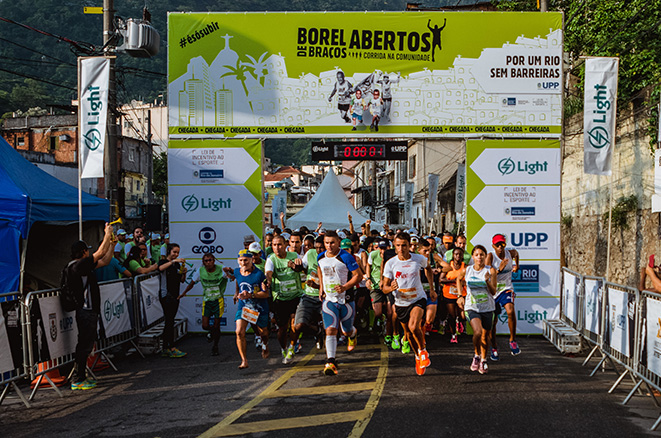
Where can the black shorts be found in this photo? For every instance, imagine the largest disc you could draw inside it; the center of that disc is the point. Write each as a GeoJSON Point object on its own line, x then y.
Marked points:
{"type": "Point", "coordinates": [378, 296]}
{"type": "Point", "coordinates": [343, 107]}
{"type": "Point", "coordinates": [284, 310]}
{"type": "Point", "coordinates": [308, 311]}
{"type": "Point", "coordinates": [485, 317]}
{"type": "Point", "coordinates": [404, 313]}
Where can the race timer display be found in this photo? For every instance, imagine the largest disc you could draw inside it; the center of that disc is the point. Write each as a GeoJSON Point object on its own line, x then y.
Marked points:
{"type": "Point", "coordinates": [359, 150]}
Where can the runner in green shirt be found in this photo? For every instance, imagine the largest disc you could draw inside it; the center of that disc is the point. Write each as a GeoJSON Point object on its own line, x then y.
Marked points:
{"type": "Point", "coordinates": [213, 277]}
{"type": "Point", "coordinates": [284, 280]}
{"type": "Point", "coordinates": [308, 312]}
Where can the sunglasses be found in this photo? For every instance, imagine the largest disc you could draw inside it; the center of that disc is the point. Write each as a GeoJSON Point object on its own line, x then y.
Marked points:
{"type": "Point", "coordinates": [501, 245]}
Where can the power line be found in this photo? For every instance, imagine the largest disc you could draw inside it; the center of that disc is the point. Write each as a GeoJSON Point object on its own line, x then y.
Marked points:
{"type": "Point", "coordinates": [76, 44]}
{"type": "Point", "coordinates": [37, 79]}
{"type": "Point", "coordinates": [37, 51]}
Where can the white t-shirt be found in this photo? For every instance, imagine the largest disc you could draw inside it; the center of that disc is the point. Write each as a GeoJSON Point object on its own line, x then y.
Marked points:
{"type": "Point", "coordinates": [504, 278]}
{"type": "Point", "coordinates": [335, 271]}
{"type": "Point", "coordinates": [407, 274]}
{"type": "Point", "coordinates": [478, 298]}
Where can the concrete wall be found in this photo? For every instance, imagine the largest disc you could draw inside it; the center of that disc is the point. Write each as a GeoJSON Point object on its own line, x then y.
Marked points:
{"type": "Point", "coordinates": [585, 198]}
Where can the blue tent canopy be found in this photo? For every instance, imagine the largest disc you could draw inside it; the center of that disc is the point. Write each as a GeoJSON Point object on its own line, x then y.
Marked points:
{"type": "Point", "coordinates": [29, 195]}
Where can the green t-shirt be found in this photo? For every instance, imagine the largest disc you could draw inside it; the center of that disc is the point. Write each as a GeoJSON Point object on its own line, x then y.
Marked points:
{"type": "Point", "coordinates": [134, 265]}
{"type": "Point", "coordinates": [375, 272]}
{"type": "Point", "coordinates": [268, 251]}
{"type": "Point", "coordinates": [448, 256]}
{"type": "Point", "coordinates": [155, 253]}
{"type": "Point", "coordinates": [213, 283]}
{"type": "Point", "coordinates": [286, 284]}
{"type": "Point", "coordinates": [311, 259]}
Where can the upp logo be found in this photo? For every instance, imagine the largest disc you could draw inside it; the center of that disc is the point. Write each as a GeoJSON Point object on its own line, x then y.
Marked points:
{"type": "Point", "coordinates": [190, 203]}
{"type": "Point", "coordinates": [506, 166]}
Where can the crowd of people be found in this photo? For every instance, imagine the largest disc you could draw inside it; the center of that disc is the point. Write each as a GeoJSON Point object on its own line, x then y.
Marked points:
{"type": "Point", "coordinates": [325, 286]}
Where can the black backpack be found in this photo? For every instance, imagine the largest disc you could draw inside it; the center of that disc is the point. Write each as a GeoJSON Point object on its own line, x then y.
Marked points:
{"type": "Point", "coordinates": [69, 299]}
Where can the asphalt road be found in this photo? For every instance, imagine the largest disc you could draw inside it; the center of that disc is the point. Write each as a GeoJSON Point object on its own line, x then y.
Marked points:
{"type": "Point", "coordinates": [539, 393]}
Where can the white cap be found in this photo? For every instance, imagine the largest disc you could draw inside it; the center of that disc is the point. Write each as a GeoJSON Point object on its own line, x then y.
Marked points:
{"type": "Point", "coordinates": [254, 247]}
{"type": "Point", "coordinates": [285, 236]}
{"type": "Point", "coordinates": [155, 236]}
{"type": "Point", "coordinates": [342, 235]}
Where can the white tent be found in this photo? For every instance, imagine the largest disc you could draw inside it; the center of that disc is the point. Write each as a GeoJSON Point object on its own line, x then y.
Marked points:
{"type": "Point", "coordinates": [329, 206]}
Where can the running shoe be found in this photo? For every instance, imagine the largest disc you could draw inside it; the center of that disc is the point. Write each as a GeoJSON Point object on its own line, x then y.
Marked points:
{"type": "Point", "coordinates": [289, 355]}
{"type": "Point", "coordinates": [342, 340]}
{"type": "Point", "coordinates": [484, 367]}
{"type": "Point", "coordinates": [258, 342]}
{"type": "Point", "coordinates": [424, 358]}
{"type": "Point", "coordinates": [351, 344]}
{"type": "Point", "coordinates": [406, 346]}
{"type": "Point", "coordinates": [515, 348]}
{"type": "Point", "coordinates": [453, 339]}
{"type": "Point", "coordinates": [427, 328]}
{"type": "Point", "coordinates": [297, 347]}
{"type": "Point", "coordinates": [475, 365]}
{"type": "Point", "coordinates": [175, 353]}
{"type": "Point", "coordinates": [396, 345]}
{"type": "Point", "coordinates": [419, 369]}
{"type": "Point", "coordinates": [460, 328]}
{"type": "Point", "coordinates": [387, 339]}
{"type": "Point", "coordinates": [82, 386]}
{"type": "Point", "coordinates": [494, 355]}
{"type": "Point", "coordinates": [284, 355]}
{"type": "Point", "coordinates": [330, 369]}
{"type": "Point", "coordinates": [209, 338]}
{"type": "Point", "coordinates": [214, 350]}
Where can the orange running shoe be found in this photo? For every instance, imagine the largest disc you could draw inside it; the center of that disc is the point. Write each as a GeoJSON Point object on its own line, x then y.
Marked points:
{"type": "Point", "coordinates": [424, 358]}
{"type": "Point", "coordinates": [419, 369]}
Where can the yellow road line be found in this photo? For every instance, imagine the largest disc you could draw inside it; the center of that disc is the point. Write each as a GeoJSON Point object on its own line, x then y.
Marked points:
{"type": "Point", "coordinates": [341, 366]}
{"type": "Point", "coordinates": [318, 390]}
{"type": "Point", "coordinates": [373, 401]}
{"type": "Point", "coordinates": [218, 428]}
{"type": "Point", "coordinates": [291, 423]}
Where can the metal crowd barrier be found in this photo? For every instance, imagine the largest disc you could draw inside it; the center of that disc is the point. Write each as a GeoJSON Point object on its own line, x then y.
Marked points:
{"type": "Point", "coordinates": [146, 300]}
{"type": "Point", "coordinates": [8, 378]}
{"type": "Point", "coordinates": [634, 315]}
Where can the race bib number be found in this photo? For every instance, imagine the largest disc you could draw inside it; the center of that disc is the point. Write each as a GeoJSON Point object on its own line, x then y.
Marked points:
{"type": "Point", "coordinates": [453, 291]}
{"type": "Point", "coordinates": [408, 294]}
{"type": "Point", "coordinates": [249, 315]}
{"type": "Point", "coordinates": [288, 286]}
{"type": "Point", "coordinates": [481, 298]}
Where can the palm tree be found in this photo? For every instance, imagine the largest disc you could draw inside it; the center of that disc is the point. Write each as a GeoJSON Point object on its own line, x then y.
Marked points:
{"type": "Point", "coordinates": [240, 72]}
{"type": "Point", "coordinates": [259, 68]}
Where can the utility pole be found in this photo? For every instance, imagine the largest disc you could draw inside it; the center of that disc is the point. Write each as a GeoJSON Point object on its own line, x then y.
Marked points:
{"type": "Point", "coordinates": [543, 5]}
{"type": "Point", "coordinates": [110, 167]}
{"type": "Point", "coordinates": [150, 171]}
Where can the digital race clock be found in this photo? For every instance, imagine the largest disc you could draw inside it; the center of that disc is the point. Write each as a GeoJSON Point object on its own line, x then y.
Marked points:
{"type": "Point", "coordinates": [338, 151]}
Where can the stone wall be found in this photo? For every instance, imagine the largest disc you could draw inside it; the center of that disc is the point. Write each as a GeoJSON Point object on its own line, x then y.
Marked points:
{"type": "Point", "coordinates": [585, 198]}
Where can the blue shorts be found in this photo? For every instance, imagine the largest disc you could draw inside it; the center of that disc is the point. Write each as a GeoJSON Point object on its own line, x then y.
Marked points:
{"type": "Point", "coordinates": [335, 314]}
{"type": "Point", "coordinates": [505, 298]}
{"type": "Point", "coordinates": [262, 319]}
{"type": "Point", "coordinates": [358, 117]}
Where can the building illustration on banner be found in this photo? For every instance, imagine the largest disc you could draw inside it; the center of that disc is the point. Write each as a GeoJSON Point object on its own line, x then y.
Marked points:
{"type": "Point", "coordinates": [246, 90]}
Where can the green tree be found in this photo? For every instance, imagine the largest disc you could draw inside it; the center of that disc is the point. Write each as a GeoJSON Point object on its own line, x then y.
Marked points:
{"type": "Point", "coordinates": [160, 180]}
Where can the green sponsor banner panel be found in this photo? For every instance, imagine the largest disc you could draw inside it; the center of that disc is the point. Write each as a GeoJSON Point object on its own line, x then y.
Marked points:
{"type": "Point", "coordinates": [423, 74]}
{"type": "Point", "coordinates": [215, 199]}
{"type": "Point", "coordinates": [513, 188]}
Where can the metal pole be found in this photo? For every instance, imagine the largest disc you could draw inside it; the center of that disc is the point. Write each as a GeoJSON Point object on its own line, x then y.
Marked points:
{"type": "Point", "coordinates": [544, 6]}
{"type": "Point", "coordinates": [610, 223]}
{"type": "Point", "coordinates": [110, 168]}
{"type": "Point", "coordinates": [150, 173]}
{"type": "Point", "coordinates": [80, 164]}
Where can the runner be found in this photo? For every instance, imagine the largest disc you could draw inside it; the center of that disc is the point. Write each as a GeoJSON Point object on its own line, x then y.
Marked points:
{"type": "Point", "coordinates": [425, 250]}
{"type": "Point", "coordinates": [308, 312]}
{"type": "Point", "coordinates": [379, 299]}
{"type": "Point", "coordinates": [396, 342]}
{"type": "Point", "coordinates": [284, 280]}
{"type": "Point", "coordinates": [451, 293]}
{"type": "Point", "coordinates": [338, 273]}
{"type": "Point", "coordinates": [401, 276]}
{"type": "Point", "coordinates": [448, 245]}
{"type": "Point", "coordinates": [253, 306]}
{"type": "Point", "coordinates": [506, 262]}
{"type": "Point", "coordinates": [460, 242]}
{"type": "Point", "coordinates": [480, 281]}
{"type": "Point", "coordinates": [213, 277]}
{"type": "Point", "coordinates": [362, 296]}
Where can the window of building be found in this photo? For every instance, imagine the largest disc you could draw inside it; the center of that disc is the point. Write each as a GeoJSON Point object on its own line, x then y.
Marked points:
{"type": "Point", "coordinates": [20, 141]}
{"type": "Point", "coordinates": [412, 166]}
{"type": "Point", "coordinates": [131, 155]}
{"type": "Point", "coordinates": [52, 143]}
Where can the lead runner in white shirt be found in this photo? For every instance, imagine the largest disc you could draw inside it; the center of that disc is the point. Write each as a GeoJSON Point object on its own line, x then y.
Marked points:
{"type": "Point", "coordinates": [401, 276]}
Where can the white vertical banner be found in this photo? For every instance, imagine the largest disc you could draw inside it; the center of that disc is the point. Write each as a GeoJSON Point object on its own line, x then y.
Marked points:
{"type": "Point", "coordinates": [408, 203]}
{"type": "Point", "coordinates": [570, 286]}
{"type": "Point", "coordinates": [599, 114]}
{"type": "Point", "coordinates": [460, 192]}
{"type": "Point", "coordinates": [618, 320]}
{"type": "Point", "coordinates": [653, 319]}
{"type": "Point", "coordinates": [432, 184]}
{"type": "Point", "coordinates": [656, 197]}
{"type": "Point", "coordinates": [279, 205]}
{"type": "Point", "coordinates": [94, 76]}
{"type": "Point", "coordinates": [61, 327]}
{"type": "Point", "coordinates": [114, 309]}
{"type": "Point", "coordinates": [592, 309]}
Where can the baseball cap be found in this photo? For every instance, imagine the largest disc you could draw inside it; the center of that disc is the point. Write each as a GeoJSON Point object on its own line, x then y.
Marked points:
{"type": "Point", "coordinates": [245, 253]}
{"type": "Point", "coordinates": [498, 238]}
{"type": "Point", "coordinates": [120, 231]}
{"type": "Point", "coordinates": [448, 239]}
{"type": "Point", "coordinates": [130, 236]}
{"type": "Point", "coordinates": [155, 236]}
{"type": "Point", "coordinates": [285, 236]}
{"type": "Point", "coordinates": [362, 238]}
{"type": "Point", "coordinates": [341, 234]}
{"type": "Point", "coordinates": [248, 238]}
{"type": "Point", "coordinates": [415, 238]}
{"type": "Point", "coordinates": [167, 236]}
{"type": "Point", "coordinates": [78, 247]}
{"type": "Point", "coordinates": [345, 244]}
{"type": "Point", "coordinates": [255, 248]}
{"type": "Point", "coordinates": [322, 230]}
{"type": "Point", "coordinates": [383, 244]}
